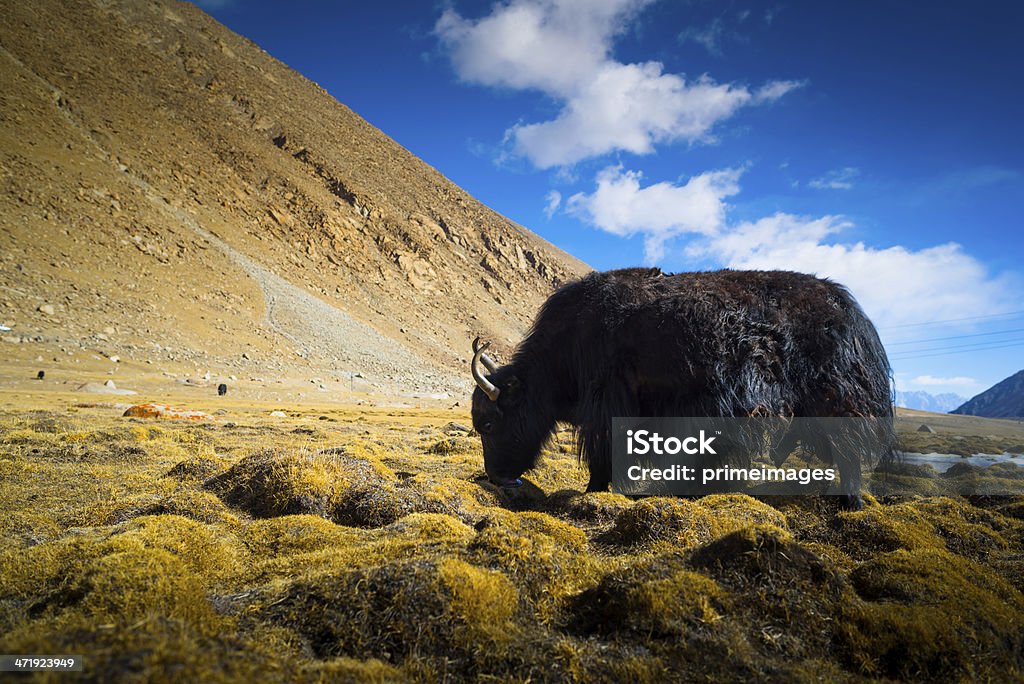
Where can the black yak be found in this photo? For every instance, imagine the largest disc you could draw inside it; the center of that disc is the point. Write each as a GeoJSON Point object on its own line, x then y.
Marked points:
{"type": "Point", "coordinates": [639, 342]}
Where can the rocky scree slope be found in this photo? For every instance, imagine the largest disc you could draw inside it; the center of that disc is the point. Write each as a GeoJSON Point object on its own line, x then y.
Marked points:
{"type": "Point", "coordinates": [170, 191]}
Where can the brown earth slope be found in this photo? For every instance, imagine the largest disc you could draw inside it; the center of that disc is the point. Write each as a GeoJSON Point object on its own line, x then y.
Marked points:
{"type": "Point", "coordinates": [1005, 399]}
{"type": "Point", "coordinates": [170, 192]}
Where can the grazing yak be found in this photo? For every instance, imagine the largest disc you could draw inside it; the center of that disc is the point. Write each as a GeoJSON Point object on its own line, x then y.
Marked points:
{"type": "Point", "coordinates": [639, 342]}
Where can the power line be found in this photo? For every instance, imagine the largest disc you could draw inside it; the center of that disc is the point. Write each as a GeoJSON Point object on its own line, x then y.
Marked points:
{"type": "Point", "coordinates": [907, 355]}
{"type": "Point", "coordinates": [953, 320]}
{"type": "Point", "coordinates": [956, 337]}
{"type": "Point", "coordinates": [973, 345]}
{"type": "Point", "coordinates": [970, 345]}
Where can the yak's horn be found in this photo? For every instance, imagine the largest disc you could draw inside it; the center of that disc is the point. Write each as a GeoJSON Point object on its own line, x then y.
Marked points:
{"type": "Point", "coordinates": [484, 358]}
{"type": "Point", "coordinates": [483, 383]}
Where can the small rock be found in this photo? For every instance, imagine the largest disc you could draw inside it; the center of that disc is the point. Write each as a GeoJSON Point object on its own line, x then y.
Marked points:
{"type": "Point", "coordinates": [456, 427]}
{"type": "Point", "coordinates": [278, 414]}
{"type": "Point", "coordinates": [108, 330]}
{"type": "Point", "coordinates": [115, 359]}
{"type": "Point", "coordinates": [96, 388]}
{"type": "Point", "coordinates": [46, 309]}
{"type": "Point", "coordinates": [166, 412]}
{"type": "Point", "coordinates": [110, 384]}
{"type": "Point", "coordinates": [926, 428]}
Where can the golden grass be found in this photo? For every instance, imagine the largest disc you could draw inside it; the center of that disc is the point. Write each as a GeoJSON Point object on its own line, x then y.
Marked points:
{"type": "Point", "coordinates": [372, 550]}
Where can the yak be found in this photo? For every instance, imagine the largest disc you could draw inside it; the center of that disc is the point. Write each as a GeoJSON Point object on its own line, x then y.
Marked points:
{"type": "Point", "coordinates": [639, 342]}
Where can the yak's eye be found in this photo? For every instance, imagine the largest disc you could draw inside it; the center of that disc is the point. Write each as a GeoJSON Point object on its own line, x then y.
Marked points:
{"type": "Point", "coordinates": [486, 427]}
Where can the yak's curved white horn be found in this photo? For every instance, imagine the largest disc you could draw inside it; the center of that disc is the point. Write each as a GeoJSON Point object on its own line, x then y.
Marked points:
{"type": "Point", "coordinates": [483, 383]}
{"type": "Point", "coordinates": [484, 358]}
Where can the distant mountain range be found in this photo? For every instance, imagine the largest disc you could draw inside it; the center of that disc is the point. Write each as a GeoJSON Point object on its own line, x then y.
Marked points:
{"type": "Point", "coordinates": [925, 401]}
{"type": "Point", "coordinates": [1003, 400]}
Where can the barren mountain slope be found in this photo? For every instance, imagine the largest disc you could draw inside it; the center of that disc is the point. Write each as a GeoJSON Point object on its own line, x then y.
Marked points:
{"type": "Point", "coordinates": [1005, 399]}
{"type": "Point", "coordinates": [164, 177]}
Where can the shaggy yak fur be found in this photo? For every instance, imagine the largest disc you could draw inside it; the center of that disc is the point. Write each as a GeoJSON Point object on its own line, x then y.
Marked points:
{"type": "Point", "coordinates": [638, 342]}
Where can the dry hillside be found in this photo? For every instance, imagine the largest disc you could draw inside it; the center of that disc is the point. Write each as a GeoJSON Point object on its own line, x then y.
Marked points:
{"type": "Point", "coordinates": [170, 193]}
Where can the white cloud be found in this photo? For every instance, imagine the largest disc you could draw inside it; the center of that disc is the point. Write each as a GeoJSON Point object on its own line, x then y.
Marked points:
{"type": "Point", "coordinates": [548, 45]}
{"type": "Point", "coordinates": [838, 179]}
{"type": "Point", "coordinates": [563, 48]}
{"type": "Point", "coordinates": [709, 36]}
{"type": "Point", "coordinates": [895, 285]}
{"type": "Point", "coordinates": [929, 380]}
{"type": "Point", "coordinates": [660, 211]}
{"type": "Point", "coordinates": [552, 201]}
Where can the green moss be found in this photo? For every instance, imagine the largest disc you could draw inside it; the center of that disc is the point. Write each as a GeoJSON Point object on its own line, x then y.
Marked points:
{"type": "Point", "coordinates": [547, 558]}
{"type": "Point", "coordinates": [142, 614]}
{"type": "Point", "coordinates": [931, 614]}
{"type": "Point", "coordinates": [589, 507]}
{"type": "Point", "coordinates": [930, 523]}
{"type": "Point", "coordinates": [198, 468]}
{"type": "Point", "coordinates": [26, 528]}
{"type": "Point", "coordinates": [453, 496]}
{"type": "Point", "coordinates": [788, 599]}
{"type": "Point", "coordinates": [1014, 508]}
{"type": "Point", "coordinates": [680, 522]}
{"type": "Point", "coordinates": [198, 505]}
{"type": "Point", "coordinates": [685, 522]}
{"type": "Point", "coordinates": [291, 534]}
{"type": "Point", "coordinates": [736, 511]}
{"type": "Point", "coordinates": [440, 609]}
{"type": "Point", "coordinates": [353, 671]}
{"type": "Point", "coordinates": [657, 597]}
{"type": "Point", "coordinates": [195, 551]}
{"type": "Point", "coordinates": [350, 486]}
{"type": "Point", "coordinates": [432, 527]}
{"type": "Point", "coordinates": [212, 552]}
{"type": "Point", "coordinates": [307, 546]}
{"type": "Point", "coordinates": [454, 445]}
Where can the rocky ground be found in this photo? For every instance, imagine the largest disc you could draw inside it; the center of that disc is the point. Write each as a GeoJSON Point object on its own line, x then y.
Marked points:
{"type": "Point", "coordinates": [165, 179]}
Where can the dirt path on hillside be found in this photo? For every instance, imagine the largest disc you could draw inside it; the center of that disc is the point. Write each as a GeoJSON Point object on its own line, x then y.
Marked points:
{"type": "Point", "coordinates": [323, 335]}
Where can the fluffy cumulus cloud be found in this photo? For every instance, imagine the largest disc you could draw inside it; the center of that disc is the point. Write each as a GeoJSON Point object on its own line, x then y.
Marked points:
{"type": "Point", "coordinates": [895, 285]}
{"type": "Point", "coordinates": [563, 48]}
{"type": "Point", "coordinates": [659, 212]}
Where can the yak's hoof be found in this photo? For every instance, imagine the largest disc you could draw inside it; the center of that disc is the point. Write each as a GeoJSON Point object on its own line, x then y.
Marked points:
{"type": "Point", "coordinates": [851, 502]}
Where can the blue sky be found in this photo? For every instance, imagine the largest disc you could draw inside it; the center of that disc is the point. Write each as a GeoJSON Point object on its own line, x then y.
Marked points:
{"type": "Point", "coordinates": [875, 143]}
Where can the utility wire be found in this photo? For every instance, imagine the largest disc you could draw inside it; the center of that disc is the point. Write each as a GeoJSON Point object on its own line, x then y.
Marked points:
{"type": "Point", "coordinates": [907, 356]}
{"type": "Point", "coordinates": [977, 346]}
{"type": "Point", "coordinates": [956, 337]}
{"type": "Point", "coordinates": [971, 345]}
{"type": "Point", "coordinates": [954, 320]}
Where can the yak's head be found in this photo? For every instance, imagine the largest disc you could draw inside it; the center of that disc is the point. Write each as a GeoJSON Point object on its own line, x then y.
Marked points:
{"type": "Point", "coordinates": [512, 434]}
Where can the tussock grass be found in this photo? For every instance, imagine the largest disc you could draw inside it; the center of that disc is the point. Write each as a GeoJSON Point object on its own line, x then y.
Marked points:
{"type": "Point", "coordinates": [374, 551]}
